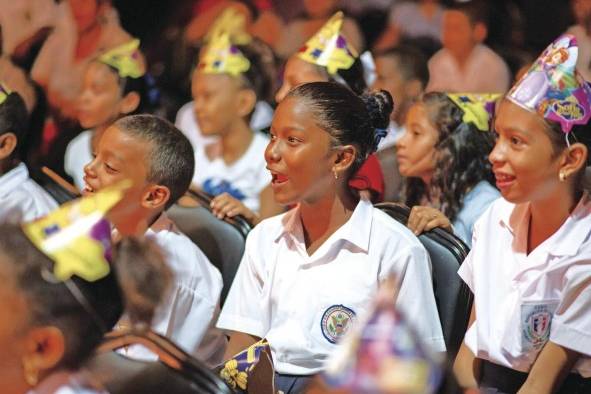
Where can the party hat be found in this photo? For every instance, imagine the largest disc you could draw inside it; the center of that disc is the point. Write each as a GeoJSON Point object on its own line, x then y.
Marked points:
{"type": "Point", "coordinates": [329, 48]}
{"type": "Point", "coordinates": [232, 23]}
{"type": "Point", "coordinates": [4, 93]}
{"type": "Point", "coordinates": [221, 57]}
{"type": "Point", "coordinates": [553, 87]}
{"type": "Point", "coordinates": [479, 109]}
{"type": "Point", "coordinates": [126, 59]}
{"type": "Point", "coordinates": [382, 355]}
{"type": "Point", "coordinates": [237, 371]}
{"type": "Point", "coordinates": [77, 237]}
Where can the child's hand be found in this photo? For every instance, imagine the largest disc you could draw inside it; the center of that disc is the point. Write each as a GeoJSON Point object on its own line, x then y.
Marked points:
{"type": "Point", "coordinates": [426, 218]}
{"type": "Point", "coordinates": [225, 205]}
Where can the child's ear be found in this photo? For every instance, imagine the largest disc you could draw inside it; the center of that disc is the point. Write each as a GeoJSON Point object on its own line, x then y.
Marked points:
{"type": "Point", "coordinates": [344, 159]}
{"type": "Point", "coordinates": [44, 349]}
{"type": "Point", "coordinates": [480, 32]}
{"type": "Point", "coordinates": [574, 159]}
{"type": "Point", "coordinates": [8, 143]}
{"type": "Point", "coordinates": [156, 197]}
{"type": "Point", "coordinates": [247, 99]}
{"type": "Point", "coordinates": [130, 103]}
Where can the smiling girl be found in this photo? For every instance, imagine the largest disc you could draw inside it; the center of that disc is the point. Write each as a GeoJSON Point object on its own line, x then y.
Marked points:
{"type": "Point", "coordinates": [307, 275]}
{"type": "Point", "coordinates": [530, 265]}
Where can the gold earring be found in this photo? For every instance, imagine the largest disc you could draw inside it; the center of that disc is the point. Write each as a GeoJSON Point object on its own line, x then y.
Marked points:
{"type": "Point", "coordinates": [562, 176]}
{"type": "Point", "coordinates": [31, 373]}
{"type": "Point", "coordinates": [335, 173]}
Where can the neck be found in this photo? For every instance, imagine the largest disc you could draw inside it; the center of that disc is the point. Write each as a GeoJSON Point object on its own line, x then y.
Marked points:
{"type": "Point", "coordinates": [8, 165]}
{"type": "Point", "coordinates": [462, 57]}
{"type": "Point", "coordinates": [321, 218]}
{"type": "Point", "coordinates": [137, 223]}
{"type": "Point", "coordinates": [236, 141]}
{"type": "Point", "coordinates": [547, 215]}
{"type": "Point", "coordinates": [426, 178]}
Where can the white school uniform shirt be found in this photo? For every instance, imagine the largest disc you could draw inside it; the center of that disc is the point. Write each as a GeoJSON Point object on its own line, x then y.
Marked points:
{"type": "Point", "coordinates": [244, 179]}
{"type": "Point", "coordinates": [304, 304]}
{"type": "Point", "coordinates": [21, 198]}
{"type": "Point", "coordinates": [524, 300]}
{"type": "Point", "coordinates": [188, 312]}
{"type": "Point", "coordinates": [485, 71]}
{"type": "Point", "coordinates": [78, 154]}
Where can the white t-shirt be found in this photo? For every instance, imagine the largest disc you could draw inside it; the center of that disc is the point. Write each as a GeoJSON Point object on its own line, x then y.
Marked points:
{"type": "Point", "coordinates": [21, 198]}
{"type": "Point", "coordinates": [78, 154]}
{"type": "Point", "coordinates": [523, 300]}
{"type": "Point", "coordinates": [244, 179]}
{"type": "Point", "coordinates": [187, 123]}
{"type": "Point", "coordinates": [303, 304]}
{"type": "Point", "coordinates": [187, 314]}
{"type": "Point", "coordinates": [484, 72]}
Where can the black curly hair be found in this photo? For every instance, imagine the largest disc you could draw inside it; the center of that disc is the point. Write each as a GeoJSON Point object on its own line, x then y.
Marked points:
{"type": "Point", "coordinates": [461, 158]}
{"type": "Point", "coordinates": [349, 119]}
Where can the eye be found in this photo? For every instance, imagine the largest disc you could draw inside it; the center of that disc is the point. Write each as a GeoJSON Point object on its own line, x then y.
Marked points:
{"type": "Point", "coordinates": [110, 169]}
{"type": "Point", "coordinates": [516, 141]}
{"type": "Point", "coordinates": [292, 140]}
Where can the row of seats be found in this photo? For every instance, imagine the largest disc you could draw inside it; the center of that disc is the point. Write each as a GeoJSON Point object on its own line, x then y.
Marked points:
{"type": "Point", "coordinates": [223, 243]}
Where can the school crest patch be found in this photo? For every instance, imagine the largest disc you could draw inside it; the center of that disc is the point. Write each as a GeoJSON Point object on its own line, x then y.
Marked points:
{"type": "Point", "coordinates": [336, 321]}
{"type": "Point", "coordinates": [536, 320]}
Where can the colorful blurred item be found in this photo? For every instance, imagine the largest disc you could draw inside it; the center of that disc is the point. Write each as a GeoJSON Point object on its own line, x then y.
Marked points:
{"type": "Point", "coordinates": [554, 88]}
{"type": "Point", "coordinates": [329, 48]}
{"type": "Point", "coordinates": [479, 109]}
{"type": "Point", "coordinates": [382, 355]}
{"type": "Point", "coordinates": [77, 236]}
{"type": "Point", "coordinates": [126, 59]}
{"type": "Point", "coordinates": [251, 371]}
{"type": "Point", "coordinates": [222, 57]}
{"type": "Point", "coordinates": [230, 22]}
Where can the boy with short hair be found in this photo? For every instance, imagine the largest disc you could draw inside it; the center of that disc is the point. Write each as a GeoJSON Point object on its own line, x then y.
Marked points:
{"type": "Point", "coordinates": [158, 159]}
{"type": "Point", "coordinates": [21, 199]}
{"type": "Point", "coordinates": [465, 64]}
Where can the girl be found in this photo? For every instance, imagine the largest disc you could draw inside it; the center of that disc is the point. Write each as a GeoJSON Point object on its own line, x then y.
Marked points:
{"type": "Point", "coordinates": [57, 305]}
{"type": "Point", "coordinates": [529, 268]}
{"type": "Point", "coordinates": [226, 86]}
{"type": "Point", "coordinates": [443, 154]}
{"type": "Point", "coordinates": [115, 84]}
{"type": "Point", "coordinates": [308, 274]}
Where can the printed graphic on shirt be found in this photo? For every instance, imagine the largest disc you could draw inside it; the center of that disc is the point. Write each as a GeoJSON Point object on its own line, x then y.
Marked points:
{"type": "Point", "coordinates": [336, 321]}
{"type": "Point", "coordinates": [222, 187]}
{"type": "Point", "coordinates": [536, 320]}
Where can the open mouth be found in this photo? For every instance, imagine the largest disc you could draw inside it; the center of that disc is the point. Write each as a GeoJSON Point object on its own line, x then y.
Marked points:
{"type": "Point", "coordinates": [504, 180]}
{"type": "Point", "coordinates": [88, 189]}
{"type": "Point", "coordinates": [278, 179]}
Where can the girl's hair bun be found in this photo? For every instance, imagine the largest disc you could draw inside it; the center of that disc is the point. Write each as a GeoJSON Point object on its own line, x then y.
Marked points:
{"type": "Point", "coordinates": [379, 106]}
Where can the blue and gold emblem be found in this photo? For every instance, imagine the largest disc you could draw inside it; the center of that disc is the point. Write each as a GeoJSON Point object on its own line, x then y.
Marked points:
{"type": "Point", "coordinates": [336, 322]}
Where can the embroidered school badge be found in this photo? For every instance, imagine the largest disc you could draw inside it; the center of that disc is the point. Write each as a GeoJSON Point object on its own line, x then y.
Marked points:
{"type": "Point", "coordinates": [336, 321]}
{"type": "Point", "coordinates": [535, 325]}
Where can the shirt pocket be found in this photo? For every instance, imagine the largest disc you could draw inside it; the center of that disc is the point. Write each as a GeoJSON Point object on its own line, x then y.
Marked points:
{"type": "Point", "coordinates": [535, 323]}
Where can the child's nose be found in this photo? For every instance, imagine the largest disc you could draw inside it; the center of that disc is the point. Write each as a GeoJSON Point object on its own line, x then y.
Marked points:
{"type": "Point", "coordinates": [89, 169]}
{"type": "Point", "coordinates": [497, 155]}
{"type": "Point", "coordinates": [272, 152]}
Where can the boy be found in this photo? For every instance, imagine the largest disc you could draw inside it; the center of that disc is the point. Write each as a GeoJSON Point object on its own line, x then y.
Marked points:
{"type": "Point", "coordinates": [465, 64]}
{"type": "Point", "coordinates": [158, 159]}
{"type": "Point", "coordinates": [21, 199]}
{"type": "Point", "coordinates": [403, 72]}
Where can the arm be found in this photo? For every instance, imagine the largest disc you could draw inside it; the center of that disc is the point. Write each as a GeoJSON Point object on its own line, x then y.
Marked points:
{"type": "Point", "coordinates": [466, 366]}
{"type": "Point", "coordinates": [238, 342]}
{"type": "Point", "coordinates": [549, 370]}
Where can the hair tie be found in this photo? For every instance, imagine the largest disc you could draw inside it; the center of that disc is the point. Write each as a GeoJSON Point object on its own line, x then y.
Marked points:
{"type": "Point", "coordinates": [378, 134]}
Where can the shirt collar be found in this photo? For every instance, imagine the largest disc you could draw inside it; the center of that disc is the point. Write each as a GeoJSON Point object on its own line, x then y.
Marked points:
{"type": "Point", "coordinates": [356, 230]}
{"type": "Point", "coordinates": [13, 178]}
{"type": "Point", "coordinates": [567, 240]}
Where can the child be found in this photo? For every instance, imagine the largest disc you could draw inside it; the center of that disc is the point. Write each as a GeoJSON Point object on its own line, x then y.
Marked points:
{"type": "Point", "coordinates": [529, 267]}
{"type": "Point", "coordinates": [57, 304]}
{"type": "Point", "coordinates": [114, 85]}
{"type": "Point", "coordinates": [443, 154]}
{"type": "Point", "coordinates": [327, 56]}
{"type": "Point", "coordinates": [465, 64]}
{"type": "Point", "coordinates": [21, 199]}
{"type": "Point", "coordinates": [226, 86]}
{"type": "Point", "coordinates": [308, 274]}
{"type": "Point", "coordinates": [158, 159]}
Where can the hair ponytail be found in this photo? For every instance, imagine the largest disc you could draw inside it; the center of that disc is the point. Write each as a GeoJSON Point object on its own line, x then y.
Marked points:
{"type": "Point", "coordinates": [379, 106]}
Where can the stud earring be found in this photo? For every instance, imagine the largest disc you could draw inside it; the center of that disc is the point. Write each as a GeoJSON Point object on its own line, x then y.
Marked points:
{"type": "Point", "coordinates": [31, 374]}
{"type": "Point", "coordinates": [335, 173]}
{"type": "Point", "coordinates": [562, 176]}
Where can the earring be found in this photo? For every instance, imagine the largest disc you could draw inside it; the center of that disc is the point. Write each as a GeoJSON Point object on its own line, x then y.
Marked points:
{"type": "Point", "coordinates": [31, 374]}
{"type": "Point", "coordinates": [562, 176]}
{"type": "Point", "coordinates": [335, 173]}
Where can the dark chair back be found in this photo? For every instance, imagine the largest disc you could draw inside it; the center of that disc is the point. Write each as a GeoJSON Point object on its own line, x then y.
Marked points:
{"type": "Point", "coordinates": [174, 372]}
{"type": "Point", "coordinates": [222, 241]}
{"type": "Point", "coordinates": [53, 185]}
{"type": "Point", "coordinates": [453, 297]}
